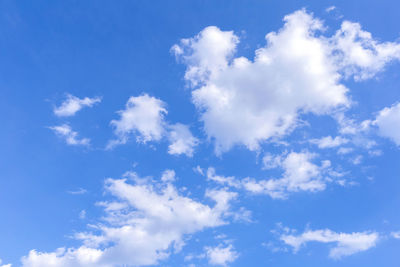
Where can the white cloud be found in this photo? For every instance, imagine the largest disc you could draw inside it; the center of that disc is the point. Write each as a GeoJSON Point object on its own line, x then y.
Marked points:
{"type": "Point", "coordinates": [198, 170]}
{"type": "Point", "coordinates": [145, 223]}
{"type": "Point", "coordinates": [82, 214]}
{"type": "Point", "coordinates": [168, 176]}
{"type": "Point", "coordinates": [71, 137]}
{"type": "Point", "coordinates": [300, 174]}
{"type": "Point", "coordinates": [207, 53]}
{"type": "Point", "coordinates": [79, 191]}
{"type": "Point", "coordinates": [360, 55]}
{"type": "Point", "coordinates": [298, 71]}
{"type": "Point", "coordinates": [81, 257]}
{"type": "Point", "coordinates": [244, 102]}
{"type": "Point", "coordinates": [357, 160]}
{"type": "Point", "coordinates": [330, 9]}
{"type": "Point", "coordinates": [144, 116]}
{"type": "Point", "coordinates": [395, 235]}
{"type": "Point", "coordinates": [181, 139]}
{"type": "Point", "coordinates": [230, 181]}
{"type": "Point", "coordinates": [345, 243]}
{"type": "Point", "coordinates": [388, 123]}
{"type": "Point", "coordinates": [4, 265]}
{"type": "Point", "coordinates": [73, 104]}
{"type": "Point", "coordinates": [271, 161]}
{"type": "Point", "coordinates": [221, 255]}
{"type": "Point", "coordinates": [329, 142]}
{"type": "Point", "coordinates": [344, 150]}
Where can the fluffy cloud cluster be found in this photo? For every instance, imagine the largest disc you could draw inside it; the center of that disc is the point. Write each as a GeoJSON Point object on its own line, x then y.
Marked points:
{"type": "Point", "coordinates": [299, 174]}
{"type": "Point", "coordinates": [71, 137]}
{"type": "Point", "coordinates": [143, 225]}
{"type": "Point", "coordinates": [144, 116]}
{"type": "Point", "coordinates": [298, 71]}
{"type": "Point", "coordinates": [346, 244]}
{"type": "Point", "coordinates": [221, 255]}
{"type": "Point", "coordinates": [73, 104]}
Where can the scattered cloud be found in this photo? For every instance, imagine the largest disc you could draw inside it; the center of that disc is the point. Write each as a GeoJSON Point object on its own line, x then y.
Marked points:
{"type": "Point", "coordinates": [395, 235]}
{"type": "Point", "coordinates": [388, 123]}
{"type": "Point", "coordinates": [71, 137]}
{"type": "Point", "coordinates": [168, 176]}
{"type": "Point", "coordinates": [73, 104]}
{"type": "Point", "coordinates": [271, 161]}
{"type": "Point", "coordinates": [345, 150]}
{"type": "Point", "coordinates": [79, 191]}
{"type": "Point", "coordinates": [181, 140]}
{"type": "Point", "coordinates": [300, 174]}
{"type": "Point", "coordinates": [346, 244]}
{"type": "Point", "coordinates": [221, 255]}
{"type": "Point", "coordinates": [360, 55]}
{"type": "Point", "coordinates": [135, 232]}
{"type": "Point", "coordinates": [330, 9]}
{"type": "Point", "coordinates": [144, 116]}
{"type": "Point", "coordinates": [357, 160]}
{"type": "Point", "coordinates": [229, 181]}
{"type": "Point", "coordinates": [198, 170]}
{"type": "Point", "coordinates": [82, 214]}
{"type": "Point", "coordinates": [329, 142]}
{"type": "Point", "coordinates": [4, 265]}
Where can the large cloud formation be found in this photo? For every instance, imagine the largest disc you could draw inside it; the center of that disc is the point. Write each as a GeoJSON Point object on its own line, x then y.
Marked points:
{"type": "Point", "coordinates": [143, 225]}
{"type": "Point", "coordinates": [298, 71]}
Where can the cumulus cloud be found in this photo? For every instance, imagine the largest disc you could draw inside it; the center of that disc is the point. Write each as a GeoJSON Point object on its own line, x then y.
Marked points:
{"type": "Point", "coordinates": [221, 255]}
{"type": "Point", "coordinates": [298, 71]}
{"type": "Point", "coordinates": [388, 123]}
{"type": "Point", "coordinates": [144, 224]}
{"type": "Point", "coordinates": [73, 104]}
{"type": "Point", "coordinates": [345, 243]}
{"type": "Point", "coordinates": [144, 116]}
{"type": "Point", "coordinates": [300, 174]}
{"type": "Point", "coordinates": [71, 137]}
{"type": "Point", "coordinates": [359, 55]}
{"type": "Point", "coordinates": [181, 140]}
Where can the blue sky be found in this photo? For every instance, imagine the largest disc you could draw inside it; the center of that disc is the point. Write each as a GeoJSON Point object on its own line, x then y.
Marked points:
{"type": "Point", "coordinates": [199, 133]}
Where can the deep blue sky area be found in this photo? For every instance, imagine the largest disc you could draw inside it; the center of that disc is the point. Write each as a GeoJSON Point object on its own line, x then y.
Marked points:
{"type": "Point", "coordinates": [114, 50]}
